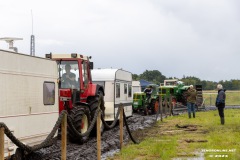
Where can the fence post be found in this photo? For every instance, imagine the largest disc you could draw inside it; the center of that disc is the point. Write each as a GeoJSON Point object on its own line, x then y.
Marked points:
{"type": "Point", "coordinates": [99, 136]}
{"type": "Point", "coordinates": [121, 125]}
{"type": "Point", "coordinates": [165, 105]}
{"type": "Point", "coordinates": [160, 105]}
{"type": "Point", "coordinates": [210, 100]}
{"type": "Point", "coordinates": [170, 103]}
{"type": "Point", "coordinates": [1, 143]}
{"type": "Point", "coordinates": [64, 138]}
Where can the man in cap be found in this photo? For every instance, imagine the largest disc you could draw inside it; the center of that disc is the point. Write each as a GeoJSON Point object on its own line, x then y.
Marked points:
{"type": "Point", "coordinates": [191, 100]}
{"type": "Point", "coordinates": [220, 102]}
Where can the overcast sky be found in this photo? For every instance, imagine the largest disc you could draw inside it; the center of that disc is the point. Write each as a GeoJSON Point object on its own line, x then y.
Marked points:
{"type": "Point", "coordinates": [177, 37]}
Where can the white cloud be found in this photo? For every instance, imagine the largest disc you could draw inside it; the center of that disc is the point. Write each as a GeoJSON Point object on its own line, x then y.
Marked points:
{"type": "Point", "coordinates": [177, 37]}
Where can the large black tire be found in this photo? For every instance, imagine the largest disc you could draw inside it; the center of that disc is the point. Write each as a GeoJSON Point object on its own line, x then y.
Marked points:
{"type": "Point", "coordinates": [94, 106]}
{"type": "Point", "coordinates": [152, 106]}
{"type": "Point", "coordinates": [134, 110]}
{"type": "Point", "coordinates": [156, 106]}
{"type": "Point", "coordinates": [19, 154]}
{"type": "Point", "coordinates": [80, 116]}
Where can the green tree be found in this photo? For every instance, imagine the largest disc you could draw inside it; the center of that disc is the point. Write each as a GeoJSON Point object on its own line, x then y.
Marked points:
{"type": "Point", "coordinates": [135, 77]}
{"type": "Point", "coordinates": [153, 76]}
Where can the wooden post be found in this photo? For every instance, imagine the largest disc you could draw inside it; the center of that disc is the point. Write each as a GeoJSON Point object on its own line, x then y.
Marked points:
{"type": "Point", "coordinates": [160, 105]}
{"type": "Point", "coordinates": [170, 103]}
{"type": "Point", "coordinates": [99, 136]}
{"type": "Point", "coordinates": [1, 143]}
{"type": "Point", "coordinates": [64, 138]}
{"type": "Point", "coordinates": [121, 126]}
{"type": "Point", "coordinates": [210, 99]}
{"type": "Point", "coordinates": [165, 105]}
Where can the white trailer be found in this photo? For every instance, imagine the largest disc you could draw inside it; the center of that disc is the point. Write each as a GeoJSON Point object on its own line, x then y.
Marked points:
{"type": "Point", "coordinates": [118, 89]}
{"type": "Point", "coordinates": [29, 97]}
{"type": "Point", "coordinates": [136, 86]}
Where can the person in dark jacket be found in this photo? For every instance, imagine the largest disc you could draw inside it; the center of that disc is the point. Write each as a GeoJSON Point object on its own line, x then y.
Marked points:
{"type": "Point", "coordinates": [191, 100]}
{"type": "Point", "coordinates": [148, 92]}
{"type": "Point", "coordinates": [220, 102]}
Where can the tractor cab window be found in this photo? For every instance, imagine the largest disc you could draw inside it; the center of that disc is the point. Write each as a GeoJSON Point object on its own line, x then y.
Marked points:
{"type": "Point", "coordinates": [84, 73]}
{"type": "Point", "coordinates": [69, 73]}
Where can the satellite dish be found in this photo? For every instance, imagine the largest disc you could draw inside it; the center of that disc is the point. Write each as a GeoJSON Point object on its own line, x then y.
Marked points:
{"type": "Point", "coordinates": [10, 41]}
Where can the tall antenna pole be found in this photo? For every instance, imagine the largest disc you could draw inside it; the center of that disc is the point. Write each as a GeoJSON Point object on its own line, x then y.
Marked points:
{"type": "Point", "coordinates": [32, 43]}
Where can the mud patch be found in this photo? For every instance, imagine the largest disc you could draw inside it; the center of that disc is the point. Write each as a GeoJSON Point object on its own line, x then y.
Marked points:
{"type": "Point", "coordinates": [192, 141]}
{"type": "Point", "coordinates": [88, 151]}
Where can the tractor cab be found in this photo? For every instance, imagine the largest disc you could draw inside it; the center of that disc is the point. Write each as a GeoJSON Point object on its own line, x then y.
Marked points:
{"type": "Point", "coordinates": [141, 101]}
{"type": "Point", "coordinates": [77, 94]}
{"type": "Point", "coordinates": [75, 80]}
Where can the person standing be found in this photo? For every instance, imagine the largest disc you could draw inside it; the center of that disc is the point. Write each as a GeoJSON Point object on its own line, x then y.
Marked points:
{"type": "Point", "coordinates": [191, 100]}
{"type": "Point", "coordinates": [148, 92]}
{"type": "Point", "coordinates": [220, 102]}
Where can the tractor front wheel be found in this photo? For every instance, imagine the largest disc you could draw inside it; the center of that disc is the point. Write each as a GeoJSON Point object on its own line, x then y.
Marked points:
{"type": "Point", "coordinates": [80, 116]}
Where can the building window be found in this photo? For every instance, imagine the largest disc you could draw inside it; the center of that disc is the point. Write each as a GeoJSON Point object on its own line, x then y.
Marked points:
{"type": "Point", "coordinates": [129, 90]}
{"type": "Point", "coordinates": [125, 88]}
{"type": "Point", "coordinates": [48, 93]}
{"type": "Point", "coordinates": [117, 90]}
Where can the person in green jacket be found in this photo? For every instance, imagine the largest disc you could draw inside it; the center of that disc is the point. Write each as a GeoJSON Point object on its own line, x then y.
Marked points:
{"type": "Point", "coordinates": [191, 100]}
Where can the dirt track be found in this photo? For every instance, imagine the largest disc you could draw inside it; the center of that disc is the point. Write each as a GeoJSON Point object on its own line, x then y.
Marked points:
{"type": "Point", "coordinates": [88, 151]}
{"type": "Point", "coordinates": [110, 141]}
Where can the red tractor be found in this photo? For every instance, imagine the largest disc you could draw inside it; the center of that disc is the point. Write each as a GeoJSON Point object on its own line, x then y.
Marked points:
{"type": "Point", "coordinates": [77, 94]}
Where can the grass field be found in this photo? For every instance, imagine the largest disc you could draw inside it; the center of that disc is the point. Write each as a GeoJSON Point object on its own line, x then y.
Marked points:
{"type": "Point", "coordinates": [181, 137]}
{"type": "Point", "coordinates": [232, 97]}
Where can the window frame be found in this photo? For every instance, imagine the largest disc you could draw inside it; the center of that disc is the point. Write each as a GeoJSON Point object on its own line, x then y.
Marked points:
{"type": "Point", "coordinates": [118, 90]}
{"type": "Point", "coordinates": [47, 102]}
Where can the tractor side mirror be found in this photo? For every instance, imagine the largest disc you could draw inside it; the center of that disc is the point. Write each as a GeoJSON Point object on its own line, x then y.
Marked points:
{"type": "Point", "coordinates": [91, 65]}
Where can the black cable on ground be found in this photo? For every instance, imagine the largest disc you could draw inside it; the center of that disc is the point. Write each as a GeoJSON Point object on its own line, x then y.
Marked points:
{"type": "Point", "coordinates": [128, 130]}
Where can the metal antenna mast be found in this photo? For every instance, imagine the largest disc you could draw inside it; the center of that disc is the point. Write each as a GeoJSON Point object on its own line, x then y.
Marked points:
{"type": "Point", "coordinates": [32, 43]}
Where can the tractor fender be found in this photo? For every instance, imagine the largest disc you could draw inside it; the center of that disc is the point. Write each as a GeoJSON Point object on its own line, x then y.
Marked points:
{"type": "Point", "coordinates": [95, 89]}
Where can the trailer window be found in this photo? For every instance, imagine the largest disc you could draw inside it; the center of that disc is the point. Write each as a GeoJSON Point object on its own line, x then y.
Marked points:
{"type": "Point", "coordinates": [48, 93]}
{"type": "Point", "coordinates": [129, 90]}
{"type": "Point", "coordinates": [117, 90]}
{"type": "Point", "coordinates": [125, 88]}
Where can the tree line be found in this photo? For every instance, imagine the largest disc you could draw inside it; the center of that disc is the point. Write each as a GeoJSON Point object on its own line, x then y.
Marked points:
{"type": "Point", "coordinates": [155, 76]}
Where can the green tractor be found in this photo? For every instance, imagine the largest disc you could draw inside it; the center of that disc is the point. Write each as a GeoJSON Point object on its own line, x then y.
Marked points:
{"type": "Point", "coordinates": [145, 104]}
{"type": "Point", "coordinates": [177, 90]}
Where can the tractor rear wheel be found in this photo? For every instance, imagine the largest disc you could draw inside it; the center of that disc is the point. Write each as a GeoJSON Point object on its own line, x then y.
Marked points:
{"type": "Point", "coordinates": [152, 106]}
{"type": "Point", "coordinates": [80, 116]}
{"type": "Point", "coordinates": [19, 154]}
{"type": "Point", "coordinates": [156, 106]}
